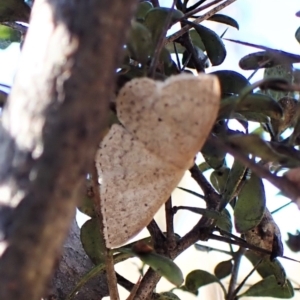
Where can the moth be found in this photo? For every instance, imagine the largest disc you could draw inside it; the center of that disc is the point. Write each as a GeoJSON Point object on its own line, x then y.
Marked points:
{"type": "Point", "coordinates": [140, 162]}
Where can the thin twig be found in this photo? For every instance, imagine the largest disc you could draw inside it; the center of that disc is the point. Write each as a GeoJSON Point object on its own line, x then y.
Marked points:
{"type": "Point", "coordinates": [195, 8]}
{"type": "Point", "coordinates": [234, 274]}
{"type": "Point", "coordinates": [158, 237]}
{"type": "Point", "coordinates": [155, 3]}
{"type": "Point", "coordinates": [171, 242]}
{"type": "Point", "coordinates": [125, 283]}
{"type": "Point", "coordinates": [147, 285]}
{"type": "Point", "coordinates": [203, 248]}
{"type": "Point", "coordinates": [287, 187]}
{"type": "Point", "coordinates": [185, 41]}
{"type": "Point", "coordinates": [109, 261]}
{"type": "Point", "coordinates": [245, 279]}
{"type": "Point", "coordinates": [209, 192]}
{"type": "Point", "coordinates": [186, 28]}
{"type": "Point", "coordinates": [160, 42]}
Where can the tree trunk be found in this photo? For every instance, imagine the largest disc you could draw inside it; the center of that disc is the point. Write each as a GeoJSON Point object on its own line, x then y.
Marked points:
{"type": "Point", "coordinates": [52, 125]}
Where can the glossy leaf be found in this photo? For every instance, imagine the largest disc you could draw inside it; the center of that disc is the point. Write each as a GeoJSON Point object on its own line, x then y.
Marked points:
{"type": "Point", "coordinates": [214, 45]}
{"type": "Point", "coordinates": [156, 18]}
{"type": "Point", "coordinates": [250, 207]}
{"type": "Point", "coordinates": [224, 222]}
{"type": "Point", "coordinates": [201, 56]}
{"type": "Point", "coordinates": [197, 42]}
{"type": "Point", "coordinates": [163, 266]}
{"type": "Point", "coordinates": [196, 39]}
{"type": "Point", "coordinates": [215, 157]}
{"type": "Point", "coordinates": [218, 178]}
{"type": "Point", "coordinates": [204, 167]}
{"type": "Point", "coordinates": [266, 59]}
{"type": "Point", "coordinates": [223, 269]}
{"type": "Point", "coordinates": [8, 36]}
{"type": "Point", "coordinates": [139, 44]}
{"type": "Point", "coordinates": [297, 35]}
{"type": "Point", "coordinates": [142, 9]}
{"type": "Point", "coordinates": [92, 241]}
{"type": "Point", "coordinates": [231, 82]}
{"type": "Point", "coordinates": [198, 278]}
{"type": "Point", "coordinates": [268, 287]}
{"type": "Point", "coordinates": [267, 267]}
{"type": "Point", "coordinates": [235, 181]}
{"type": "Point", "coordinates": [225, 20]}
{"type": "Point", "coordinates": [252, 103]}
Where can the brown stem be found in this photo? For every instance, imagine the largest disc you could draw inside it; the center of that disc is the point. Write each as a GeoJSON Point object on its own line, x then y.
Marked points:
{"type": "Point", "coordinates": [171, 242]}
{"type": "Point", "coordinates": [158, 237]}
{"type": "Point", "coordinates": [286, 186]}
{"type": "Point", "coordinates": [186, 28]}
{"type": "Point", "coordinates": [195, 9]}
{"type": "Point", "coordinates": [147, 285]}
{"type": "Point", "coordinates": [234, 274]}
{"type": "Point", "coordinates": [49, 135]}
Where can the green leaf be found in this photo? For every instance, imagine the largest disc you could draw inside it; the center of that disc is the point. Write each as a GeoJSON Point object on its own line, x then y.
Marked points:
{"type": "Point", "coordinates": [253, 144]}
{"type": "Point", "coordinates": [215, 157]}
{"type": "Point", "coordinates": [218, 178]}
{"type": "Point", "coordinates": [225, 20]}
{"type": "Point", "coordinates": [297, 35]}
{"type": "Point", "coordinates": [214, 45]}
{"type": "Point", "coordinates": [267, 59]}
{"type": "Point", "coordinates": [204, 167]}
{"type": "Point", "coordinates": [163, 266]}
{"type": "Point", "coordinates": [252, 103]}
{"type": "Point", "coordinates": [231, 82]}
{"type": "Point", "coordinates": [8, 36]}
{"type": "Point", "coordinates": [168, 296]}
{"type": "Point", "coordinates": [267, 267]}
{"type": "Point", "coordinates": [196, 39]}
{"type": "Point", "coordinates": [223, 269]}
{"type": "Point", "coordinates": [94, 272]}
{"type": "Point", "coordinates": [200, 56]}
{"type": "Point", "coordinates": [268, 287]}
{"type": "Point", "coordinates": [156, 18]}
{"type": "Point", "coordinates": [87, 207]}
{"type": "Point", "coordinates": [250, 207]}
{"type": "Point", "coordinates": [235, 181]}
{"type": "Point", "coordinates": [139, 43]}
{"type": "Point", "coordinates": [142, 9]}
{"type": "Point", "coordinates": [198, 278]}
{"type": "Point", "coordinates": [224, 222]}
{"type": "Point", "coordinates": [14, 10]}
{"type": "Point", "coordinates": [92, 241]}
{"type": "Point", "coordinates": [279, 71]}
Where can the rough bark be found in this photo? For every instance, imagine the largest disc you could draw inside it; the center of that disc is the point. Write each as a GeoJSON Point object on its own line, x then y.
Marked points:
{"type": "Point", "coordinates": [51, 128]}
{"type": "Point", "coordinates": [72, 266]}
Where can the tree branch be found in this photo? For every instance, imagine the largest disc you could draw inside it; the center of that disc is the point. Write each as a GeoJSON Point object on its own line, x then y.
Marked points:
{"type": "Point", "coordinates": [52, 126]}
